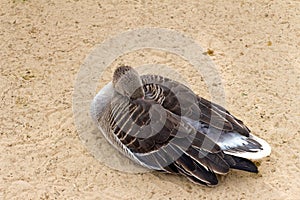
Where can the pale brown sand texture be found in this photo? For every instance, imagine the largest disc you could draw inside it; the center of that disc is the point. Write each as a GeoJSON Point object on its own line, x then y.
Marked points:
{"type": "Point", "coordinates": [44, 43]}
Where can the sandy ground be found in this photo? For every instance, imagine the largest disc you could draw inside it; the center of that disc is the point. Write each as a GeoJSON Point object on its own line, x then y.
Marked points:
{"type": "Point", "coordinates": [43, 44]}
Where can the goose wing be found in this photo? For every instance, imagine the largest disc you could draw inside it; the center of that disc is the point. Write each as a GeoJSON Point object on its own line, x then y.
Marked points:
{"type": "Point", "coordinates": [161, 140]}
{"type": "Point", "coordinates": [216, 122]}
{"type": "Point", "coordinates": [182, 101]}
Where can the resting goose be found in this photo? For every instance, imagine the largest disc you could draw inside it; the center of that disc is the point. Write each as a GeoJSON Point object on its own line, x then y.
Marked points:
{"type": "Point", "coordinates": [162, 125]}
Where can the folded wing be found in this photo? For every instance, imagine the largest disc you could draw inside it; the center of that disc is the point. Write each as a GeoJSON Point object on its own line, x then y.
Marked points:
{"type": "Point", "coordinates": [162, 140]}
{"type": "Point", "coordinates": [206, 117]}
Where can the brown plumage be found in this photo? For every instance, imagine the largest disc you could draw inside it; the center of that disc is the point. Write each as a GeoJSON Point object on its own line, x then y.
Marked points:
{"type": "Point", "coordinates": [162, 125]}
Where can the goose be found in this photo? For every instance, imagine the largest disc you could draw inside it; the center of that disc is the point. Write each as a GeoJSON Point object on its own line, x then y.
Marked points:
{"type": "Point", "coordinates": [163, 125]}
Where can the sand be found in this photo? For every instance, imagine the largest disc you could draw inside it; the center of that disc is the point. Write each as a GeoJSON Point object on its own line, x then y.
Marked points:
{"type": "Point", "coordinates": [254, 45]}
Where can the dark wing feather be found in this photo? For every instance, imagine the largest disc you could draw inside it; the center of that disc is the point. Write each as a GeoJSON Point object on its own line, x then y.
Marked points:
{"type": "Point", "coordinates": [213, 161]}
{"type": "Point", "coordinates": [200, 174]}
{"type": "Point", "coordinates": [240, 163]}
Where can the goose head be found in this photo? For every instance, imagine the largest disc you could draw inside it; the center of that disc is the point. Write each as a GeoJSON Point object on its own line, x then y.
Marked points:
{"type": "Point", "coordinates": [127, 82]}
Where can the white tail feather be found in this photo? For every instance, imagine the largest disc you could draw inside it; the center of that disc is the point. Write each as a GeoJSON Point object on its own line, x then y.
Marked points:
{"type": "Point", "coordinates": [265, 151]}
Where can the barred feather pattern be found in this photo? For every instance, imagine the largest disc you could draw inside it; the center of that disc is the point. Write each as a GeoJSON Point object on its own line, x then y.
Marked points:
{"type": "Point", "coordinates": [170, 130]}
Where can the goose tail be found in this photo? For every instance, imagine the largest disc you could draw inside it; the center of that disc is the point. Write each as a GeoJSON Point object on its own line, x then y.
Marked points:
{"type": "Point", "coordinates": [251, 147]}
